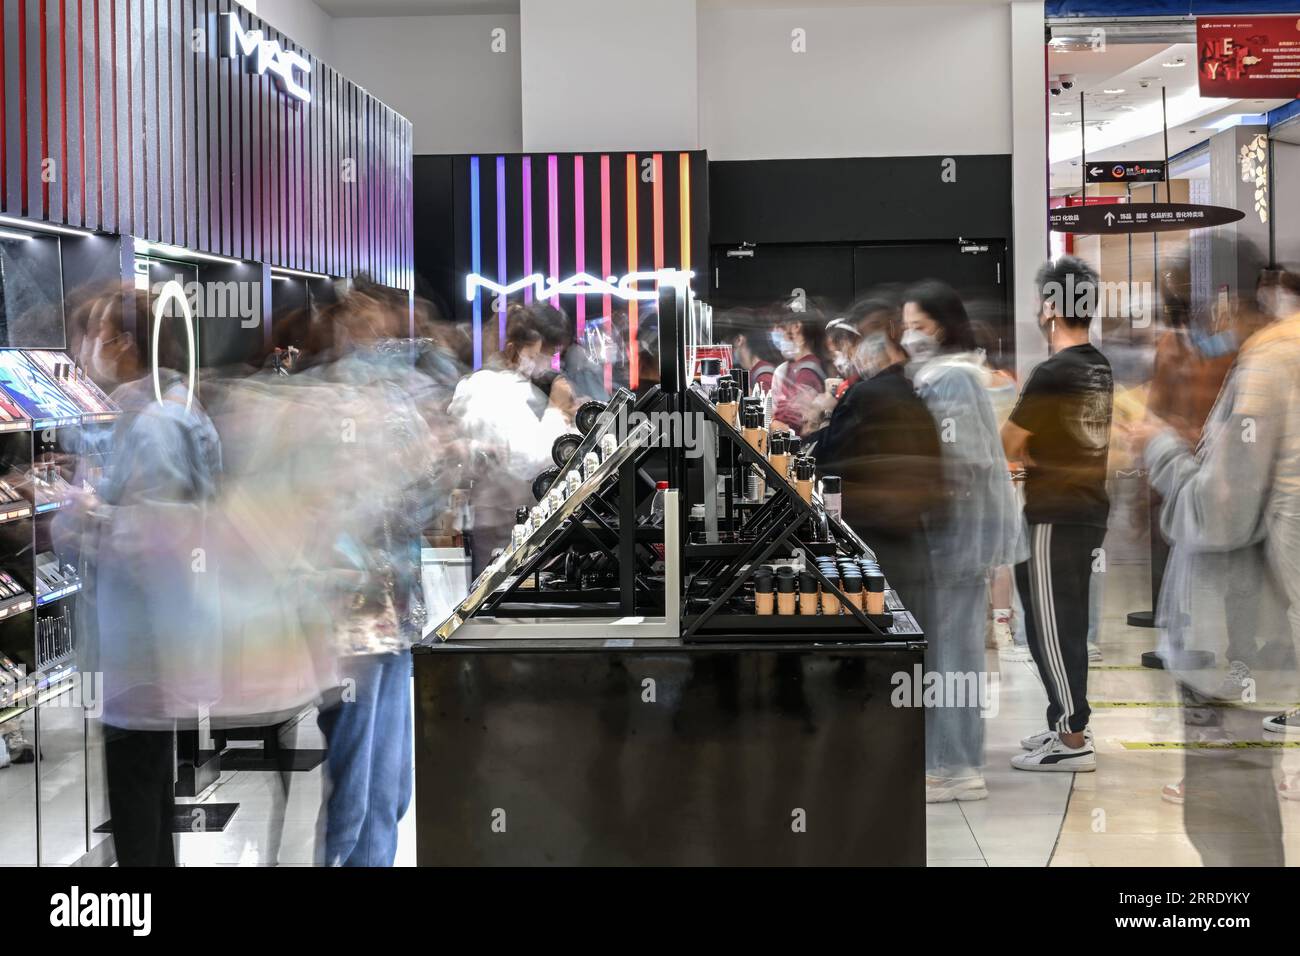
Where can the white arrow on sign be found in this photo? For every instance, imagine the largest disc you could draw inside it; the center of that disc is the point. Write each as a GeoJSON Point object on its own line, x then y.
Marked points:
{"type": "Point", "coordinates": [1110, 218]}
{"type": "Point", "coordinates": [1096, 171]}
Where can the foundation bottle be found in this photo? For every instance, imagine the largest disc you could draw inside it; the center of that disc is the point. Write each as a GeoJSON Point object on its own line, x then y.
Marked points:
{"type": "Point", "coordinates": [832, 498]}
{"type": "Point", "coordinates": [727, 401]}
{"type": "Point", "coordinates": [851, 585]}
{"type": "Point", "coordinates": [831, 603]}
{"type": "Point", "coordinates": [779, 453]}
{"type": "Point", "coordinates": [807, 593]}
{"type": "Point", "coordinates": [752, 426]}
{"type": "Point", "coordinates": [805, 471]}
{"type": "Point", "coordinates": [875, 583]}
{"type": "Point", "coordinates": [785, 590]}
{"type": "Point", "coordinates": [763, 592]}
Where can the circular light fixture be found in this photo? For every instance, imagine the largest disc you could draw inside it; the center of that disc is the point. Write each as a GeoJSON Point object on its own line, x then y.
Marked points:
{"type": "Point", "coordinates": [1174, 64]}
{"type": "Point", "coordinates": [173, 291]}
{"type": "Point", "coordinates": [1114, 91]}
{"type": "Point", "coordinates": [1062, 113]}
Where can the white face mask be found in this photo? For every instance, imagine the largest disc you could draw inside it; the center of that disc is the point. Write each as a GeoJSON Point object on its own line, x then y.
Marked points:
{"type": "Point", "coordinates": [785, 345]}
{"type": "Point", "coordinates": [921, 346]}
{"type": "Point", "coordinates": [842, 365]}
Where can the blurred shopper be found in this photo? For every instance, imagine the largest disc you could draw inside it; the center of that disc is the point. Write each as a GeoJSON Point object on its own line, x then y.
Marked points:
{"type": "Point", "coordinates": [842, 339]}
{"type": "Point", "coordinates": [509, 425]}
{"type": "Point", "coordinates": [372, 585]}
{"type": "Point", "coordinates": [801, 378]}
{"type": "Point", "coordinates": [975, 528]}
{"type": "Point", "coordinates": [1230, 513]}
{"type": "Point", "coordinates": [1060, 429]}
{"type": "Point", "coordinates": [144, 538]}
{"type": "Point", "coordinates": [883, 444]}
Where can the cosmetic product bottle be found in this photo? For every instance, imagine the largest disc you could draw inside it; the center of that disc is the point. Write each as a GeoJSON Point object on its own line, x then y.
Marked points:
{"type": "Point", "coordinates": [608, 445]}
{"type": "Point", "coordinates": [830, 602]}
{"type": "Point", "coordinates": [851, 585]}
{"type": "Point", "coordinates": [763, 588]}
{"type": "Point", "coordinates": [727, 404]}
{"type": "Point", "coordinates": [752, 426]}
{"type": "Point", "coordinates": [875, 584]}
{"type": "Point", "coordinates": [590, 462]}
{"type": "Point", "coordinates": [786, 582]}
{"type": "Point", "coordinates": [710, 372]}
{"type": "Point", "coordinates": [573, 480]}
{"type": "Point", "coordinates": [808, 593]}
{"type": "Point", "coordinates": [805, 470]}
{"type": "Point", "coordinates": [832, 498]}
{"type": "Point", "coordinates": [741, 377]}
{"type": "Point", "coordinates": [779, 453]}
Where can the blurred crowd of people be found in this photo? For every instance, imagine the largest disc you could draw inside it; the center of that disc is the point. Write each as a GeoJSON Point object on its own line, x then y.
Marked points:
{"type": "Point", "coordinates": [252, 545]}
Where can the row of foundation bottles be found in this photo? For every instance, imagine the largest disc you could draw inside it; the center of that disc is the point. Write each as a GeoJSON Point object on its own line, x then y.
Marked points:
{"type": "Point", "coordinates": [787, 590]}
{"type": "Point", "coordinates": [781, 448]}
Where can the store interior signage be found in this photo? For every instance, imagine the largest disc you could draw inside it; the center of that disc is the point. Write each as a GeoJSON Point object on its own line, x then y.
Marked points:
{"type": "Point", "coordinates": [1126, 172]}
{"type": "Point", "coordinates": [627, 287]}
{"type": "Point", "coordinates": [1248, 57]}
{"type": "Point", "coordinates": [1140, 217]}
{"type": "Point", "coordinates": [261, 56]}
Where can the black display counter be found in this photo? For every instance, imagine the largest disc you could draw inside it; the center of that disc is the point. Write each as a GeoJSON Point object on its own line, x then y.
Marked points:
{"type": "Point", "coordinates": [655, 752]}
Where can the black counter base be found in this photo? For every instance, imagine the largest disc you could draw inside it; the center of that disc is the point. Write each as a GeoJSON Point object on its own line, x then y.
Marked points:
{"type": "Point", "coordinates": [736, 754]}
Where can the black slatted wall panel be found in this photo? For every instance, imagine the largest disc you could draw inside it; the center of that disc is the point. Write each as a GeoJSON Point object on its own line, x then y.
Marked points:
{"type": "Point", "coordinates": [119, 115]}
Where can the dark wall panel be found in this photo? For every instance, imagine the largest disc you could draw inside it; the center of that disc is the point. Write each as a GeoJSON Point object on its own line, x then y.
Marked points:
{"type": "Point", "coordinates": [152, 134]}
{"type": "Point", "coordinates": [875, 199]}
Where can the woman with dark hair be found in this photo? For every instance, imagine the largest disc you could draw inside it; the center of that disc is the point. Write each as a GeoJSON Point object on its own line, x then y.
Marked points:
{"type": "Point", "coordinates": [976, 528]}
{"type": "Point", "coordinates": [752, 348]}
{"type": "Point", "coordinates": [801, 378]}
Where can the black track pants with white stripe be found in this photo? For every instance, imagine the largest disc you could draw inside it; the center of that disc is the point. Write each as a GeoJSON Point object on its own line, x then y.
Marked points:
{"type": "Point", "coordinates": [1053, 586]}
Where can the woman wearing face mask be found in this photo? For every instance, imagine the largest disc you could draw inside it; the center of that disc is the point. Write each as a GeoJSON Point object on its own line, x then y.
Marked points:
{"type": "Point", "coordinates": [977, 527]}
{"type": "Point", "coordinates": [883, 444]}
{"type": "Point", "coordinates": [510, 425]}
{"type": "Point", "coordinates": [842, 339]}
{"type": "Point", "coordinates": [801, 378]}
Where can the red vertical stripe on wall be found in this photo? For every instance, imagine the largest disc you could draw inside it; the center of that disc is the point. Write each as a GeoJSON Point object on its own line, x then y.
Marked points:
{"type": "Point", "coordinates": [4, 123]}
{"type": "Point", "coordinates": [22, 102]}
{"type": "Point", "coordinates": [42, 60]}
{"type": "Point", "coordinates": [63, 103]}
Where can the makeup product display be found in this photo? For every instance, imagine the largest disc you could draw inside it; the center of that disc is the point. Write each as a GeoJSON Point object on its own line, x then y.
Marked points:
{"type": "Point", "coordinates": [544, 482]}
{"type": "Point", "coordinates": [590, 462]}
{"type": "Point", "coordinates": [585, 418]}
{"type": "Point", "coordinates": [875, 590]}
{"type": "Point", "coordinates": [564, 448]}
{"type": "Point", "coordinates": [805, 471]}
{"type": "Point", "coordinates": [36, 394]}
{"type": "Point", "coordinates": [53, 638]}
{"type": "Point", "coordinates": [49, 488]}
{"type": "Point", "coordinates": [12, 417]}
{"type": "Point", "coordinates": [76, 384]}
{"type": "Point", "coordinates": [779, 453]}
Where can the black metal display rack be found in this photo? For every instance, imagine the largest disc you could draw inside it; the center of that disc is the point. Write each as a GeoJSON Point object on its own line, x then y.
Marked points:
{"type": "Point", "coordinates": [598, 560]}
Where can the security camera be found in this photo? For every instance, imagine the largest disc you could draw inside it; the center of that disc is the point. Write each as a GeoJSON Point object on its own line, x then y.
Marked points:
{"type": "Point", "coordinates": [1067, 81]}
{"type": "Point", "coordinates": [1145, 84]}
{"type": "Point", "coordinates": [1054, 86]}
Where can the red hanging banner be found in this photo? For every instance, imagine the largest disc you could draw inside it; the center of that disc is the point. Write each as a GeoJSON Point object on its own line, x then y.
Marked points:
{"type": "Point", "coordinates": [1249, 57]}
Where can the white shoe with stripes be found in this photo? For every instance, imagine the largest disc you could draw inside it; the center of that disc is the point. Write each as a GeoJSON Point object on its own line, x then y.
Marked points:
{"type": "Point", "coordinates": [1043, 736]}
{"type": "Point", "coordinates": [1056, 756]}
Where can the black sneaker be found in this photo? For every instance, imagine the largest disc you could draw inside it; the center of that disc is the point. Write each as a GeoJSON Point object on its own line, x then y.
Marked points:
{"type": "Point", "coordinates": [1287, 724]}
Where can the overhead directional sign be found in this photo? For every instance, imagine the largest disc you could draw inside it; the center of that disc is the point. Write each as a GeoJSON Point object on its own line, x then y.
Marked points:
{"type": "Point", "coordinates": [1140, 217]}
{"type": "Point", "coordinates": [1126, 172]}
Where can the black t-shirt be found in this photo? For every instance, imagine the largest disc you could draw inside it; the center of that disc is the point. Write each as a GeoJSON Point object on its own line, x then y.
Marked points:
{"type": "Point", "coordinates": [1066, 408]}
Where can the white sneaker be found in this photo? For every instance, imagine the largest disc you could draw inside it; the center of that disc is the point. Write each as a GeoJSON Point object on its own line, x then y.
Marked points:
{"type": "Point", "coordinates": [1043, 736]}
{"type": "Point", "coordinates": [1016, 652]}
{"type": "Point", "coordinates": [1233, 684]}
{"type": "Point", "coordinates": [947, 789]}
{"type": "Point", "coordinates": [1003, 637]}
{"type": "Point", "coordinates": [1094, 653]}
{"type": "Point", "coordinates": [1287, 724]}
{"type": "Point", "coordinates": [1055, 756]}
{"type": "Point", "coordinates": [4, 753]}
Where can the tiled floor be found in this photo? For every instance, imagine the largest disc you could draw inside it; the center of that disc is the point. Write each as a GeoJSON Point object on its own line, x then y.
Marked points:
{"type": "Point", "coordinates": [1112, 817]}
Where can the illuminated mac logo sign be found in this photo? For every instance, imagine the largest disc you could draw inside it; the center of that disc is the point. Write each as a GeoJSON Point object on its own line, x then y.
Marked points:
{"type": "Point", "coordinates": [261, 55]}
{"type": "Point", "coordinates": [626, 287]}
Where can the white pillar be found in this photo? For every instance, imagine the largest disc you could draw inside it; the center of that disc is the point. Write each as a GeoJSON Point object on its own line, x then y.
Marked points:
{"type": "Point", "coordinates": [609, 75]}
{"type": "Point", "coordinates": [1029, 179]}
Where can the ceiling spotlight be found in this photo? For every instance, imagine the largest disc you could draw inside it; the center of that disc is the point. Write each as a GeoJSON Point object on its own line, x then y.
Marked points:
{"type": "Point", "coordinates": [1062, 113]}
{"type": "Point", "coordinates": [1114, 91]}
{"type": "Point", "coordinates": [1174, 64]}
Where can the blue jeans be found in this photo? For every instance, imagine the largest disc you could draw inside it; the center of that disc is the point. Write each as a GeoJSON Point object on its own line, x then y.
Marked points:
{"type": "Point", "coordinates": [368, 764]}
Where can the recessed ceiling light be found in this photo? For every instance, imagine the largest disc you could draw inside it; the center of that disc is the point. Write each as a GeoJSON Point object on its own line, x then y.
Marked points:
{"type": "Point", "coordinates": [1114, 91]}
{"type": "Point", "coordinates": [1174, 64]}
{"type": "Point", "coordinates": [1062, 113]}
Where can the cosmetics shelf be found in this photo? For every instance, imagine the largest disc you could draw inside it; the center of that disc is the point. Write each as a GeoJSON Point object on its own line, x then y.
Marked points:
{"type": "Point", "coordinates": [16, 605]}
{"type": "Point", "coordinates": [13, 511]}
{"type": "Point", "coordinates": [58, 595]}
